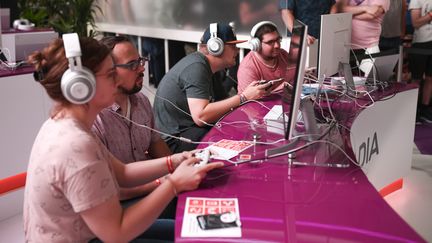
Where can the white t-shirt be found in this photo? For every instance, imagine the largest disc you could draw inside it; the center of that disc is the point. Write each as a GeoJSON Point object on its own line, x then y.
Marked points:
{"type": "Point", "coordinates": [424, 33]}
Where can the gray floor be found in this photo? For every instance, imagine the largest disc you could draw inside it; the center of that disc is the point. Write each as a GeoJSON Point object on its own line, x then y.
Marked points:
{"type": "Point", "coordinates": [413, 203]}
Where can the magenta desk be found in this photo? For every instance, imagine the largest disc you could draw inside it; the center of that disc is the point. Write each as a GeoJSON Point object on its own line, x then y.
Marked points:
{"type": "Point", "coordinates": [17, 71]}
{"type": "Point", "coordinates": [281, 203]}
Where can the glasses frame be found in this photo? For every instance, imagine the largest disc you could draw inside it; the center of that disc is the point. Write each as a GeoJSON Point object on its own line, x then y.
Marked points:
{"type": "Point", "coordinates": [272, 42]}
{"type": "Point", "coordinates": [133, 65]}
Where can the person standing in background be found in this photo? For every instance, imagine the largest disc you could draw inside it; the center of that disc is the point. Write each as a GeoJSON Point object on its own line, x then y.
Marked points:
{"type": "Point", "coordinates": [367, 16]}
{"type": "Point", "coordinates": [366, 23]}
{"type": "Point", "coordinates": [308, 12]}
{"type": "Point", "coordinates": [420, 63]}
{"type": "Point", "coordinates": [393, 26]}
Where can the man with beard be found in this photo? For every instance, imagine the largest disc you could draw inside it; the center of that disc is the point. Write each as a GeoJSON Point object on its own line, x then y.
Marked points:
{"type": "Point", "coordinates": [185, 102]}
{"type": "Point", "coordinates": [266, 61]}
{"type": "Point", "coordinates": [126, 141]}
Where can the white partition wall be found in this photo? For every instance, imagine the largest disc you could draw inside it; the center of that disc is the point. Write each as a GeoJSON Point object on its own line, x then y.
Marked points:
{"type": "Point", "coordinates": [25, 107]}
{"type": "Point", "coordinates": [382, 138]}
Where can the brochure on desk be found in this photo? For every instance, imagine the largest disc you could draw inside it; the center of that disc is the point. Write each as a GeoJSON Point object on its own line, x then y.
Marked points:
{"type": "Point", "coordinates": [201, 205]}
{"type": "Point", "coordinates": [226, 149]}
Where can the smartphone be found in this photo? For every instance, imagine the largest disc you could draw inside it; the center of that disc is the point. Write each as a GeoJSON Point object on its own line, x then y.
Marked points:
{"type": "Point", "coordinates": [273, 82]}
{"type": "Point", "coordinates": [217, 221]}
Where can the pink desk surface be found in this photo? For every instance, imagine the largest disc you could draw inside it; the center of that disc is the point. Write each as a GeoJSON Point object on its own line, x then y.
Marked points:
{"type": "Point", "coordinates": [282, 203]}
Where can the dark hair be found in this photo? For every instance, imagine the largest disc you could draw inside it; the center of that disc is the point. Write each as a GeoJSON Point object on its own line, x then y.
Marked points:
{"type": "Point", "coordinates": [111, 41]}
{"type": "Point", "coordinates": [51, 63]}
{"type": "Point", "coordinates": [266, 28]}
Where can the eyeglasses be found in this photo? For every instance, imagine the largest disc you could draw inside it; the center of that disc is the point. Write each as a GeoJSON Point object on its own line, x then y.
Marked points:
{"type": "Point", "coordinates": [133, 65]}
{"type": "Point", "coordinates": [272, 42]}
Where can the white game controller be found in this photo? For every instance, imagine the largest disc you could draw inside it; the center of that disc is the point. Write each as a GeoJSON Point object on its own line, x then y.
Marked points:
{"type": "Point", "coordinates": [204, 156]}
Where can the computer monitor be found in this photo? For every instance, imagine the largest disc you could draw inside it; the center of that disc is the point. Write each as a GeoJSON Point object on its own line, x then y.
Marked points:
{"type": "Point", "coordinates": [334, 43]}
{"type": "Point", "coordinates": [291, 95]}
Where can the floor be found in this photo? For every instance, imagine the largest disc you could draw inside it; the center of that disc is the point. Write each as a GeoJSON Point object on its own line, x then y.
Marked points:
{"type": "Point", "coordinates": [412, 202]}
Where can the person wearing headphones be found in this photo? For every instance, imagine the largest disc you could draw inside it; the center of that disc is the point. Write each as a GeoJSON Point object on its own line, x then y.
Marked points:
{"type": "Point", "coordinates": [266, 61]}
{"type": "Point", "coordinates": [71, 192]}
{"type": "Point", "coordinates": [126, 141]}
{"type": "Point", "coordinates": [184, 104]}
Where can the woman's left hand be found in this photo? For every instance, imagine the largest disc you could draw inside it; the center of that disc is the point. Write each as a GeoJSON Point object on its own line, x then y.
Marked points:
{"type": "Point", "coordinates": [178, 158]}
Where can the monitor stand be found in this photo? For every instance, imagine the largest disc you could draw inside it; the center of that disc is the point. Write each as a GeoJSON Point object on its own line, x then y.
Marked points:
{"type": "Point", "coordinates": [345, 71]}
{"type": "Point", "coordinates": [312, 133]}
{"type": "Point", "coordinates": [311, 130]}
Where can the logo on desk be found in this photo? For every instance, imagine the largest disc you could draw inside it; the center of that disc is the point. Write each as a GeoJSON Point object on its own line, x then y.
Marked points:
{"type": "Point", "coordinates": [367, 149]}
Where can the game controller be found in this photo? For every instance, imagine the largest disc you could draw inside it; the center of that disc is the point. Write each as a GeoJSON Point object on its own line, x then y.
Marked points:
{"type": "Point", "coordinates": [204, 156]}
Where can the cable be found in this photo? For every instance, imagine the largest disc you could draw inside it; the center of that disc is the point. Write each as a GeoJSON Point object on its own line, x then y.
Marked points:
{"type": "Point", "coordinates": [219, 123]}
{"type": "Point", "coordinates": [229, 76]}
{"type": "Point", "coordinates": [178, 108]}
{"type": "Point", "coordinates": [9, 65]}
{"type": "Point", "coordinates": [370, 57]}
{"type": "Point", "coordinates": [187, 140]}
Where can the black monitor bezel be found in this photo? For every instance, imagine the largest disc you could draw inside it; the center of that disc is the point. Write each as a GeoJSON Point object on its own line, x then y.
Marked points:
{"type": "Point", "coordinates": [297, 86]}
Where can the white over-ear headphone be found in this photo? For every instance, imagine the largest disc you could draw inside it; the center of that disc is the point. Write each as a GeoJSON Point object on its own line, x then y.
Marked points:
{"type": "Point", "coordinates": [215, 45]}
{"type": "Point", "coordinates": [78, 84]}
{"type": "Point", "coordinates": [254, 42]}
{"type": "Point", "coordinates": [23, 24]}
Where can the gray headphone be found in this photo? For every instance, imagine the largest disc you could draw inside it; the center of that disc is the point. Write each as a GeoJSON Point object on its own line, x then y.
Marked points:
{"type": "Point", "coordinates": [215, 45]}
{"type": "Point", "coordinates": [254, 42]}
{"type": "Point", "coordinates": [78, 84]}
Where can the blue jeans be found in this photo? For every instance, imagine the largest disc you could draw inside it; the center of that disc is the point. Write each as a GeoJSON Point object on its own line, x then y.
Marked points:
{"type": "Point", "coordinates": [161, 231]}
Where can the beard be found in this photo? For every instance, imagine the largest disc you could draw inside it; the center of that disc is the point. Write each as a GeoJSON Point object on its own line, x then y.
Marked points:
{"type": "Point", "coordinates": [135, 89]}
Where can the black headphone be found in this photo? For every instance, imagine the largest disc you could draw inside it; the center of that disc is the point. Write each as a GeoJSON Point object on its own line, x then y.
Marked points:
{"type": "Point", "coordinates": [255, 43]}
{"type": "Point", "coordinates": [215, 45]}
{"type": "Point", "coordinates": [78, 84]}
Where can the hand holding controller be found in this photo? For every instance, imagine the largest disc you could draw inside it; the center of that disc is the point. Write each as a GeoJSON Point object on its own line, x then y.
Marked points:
{"type": "Point", "coordinates": [204, 156]}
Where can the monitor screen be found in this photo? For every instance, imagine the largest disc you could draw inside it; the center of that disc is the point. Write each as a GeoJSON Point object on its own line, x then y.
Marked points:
{"type": "Point", "coordinates": [292, 93]}
{"type": "Point", "coordinates": [334, 43]}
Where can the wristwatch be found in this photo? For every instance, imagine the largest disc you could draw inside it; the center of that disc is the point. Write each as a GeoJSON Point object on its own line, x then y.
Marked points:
{"type": "Point", "coordinates": [243, 98]}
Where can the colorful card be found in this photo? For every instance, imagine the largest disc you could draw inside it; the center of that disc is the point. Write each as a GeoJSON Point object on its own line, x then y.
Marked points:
{"type": "Point", "coordinates": [227, 149]}
{"type": "Point", "coordinates": [201, 205]}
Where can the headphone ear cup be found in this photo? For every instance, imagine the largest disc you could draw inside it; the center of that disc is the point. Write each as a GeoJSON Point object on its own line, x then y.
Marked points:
{"type": "Point", "coordinates": [255, 44]}
{"type": "Point", "coordinates": [78, 86]}
{"type": "Point", "coordinates": [215, 46]}
{"type": "Point", "coordinates": [27, 27]}
{"type": "Point", "coordinates": [23, 24]}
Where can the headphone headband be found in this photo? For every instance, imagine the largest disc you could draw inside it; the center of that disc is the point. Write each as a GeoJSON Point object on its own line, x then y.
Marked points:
{"type": "Point", "coordinates": [259, 25]}
{"type": "Point", "coordinates": [255, 42]}
{"type": "Point", "coordinates": [213, 30]}
{"type": "Point", "coordinates": [215, 45]}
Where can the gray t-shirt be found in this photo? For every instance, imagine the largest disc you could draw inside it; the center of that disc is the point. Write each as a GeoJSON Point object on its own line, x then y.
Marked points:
{"type": "Point", "coordinates": [191, 77]}
{"type": "Point", "coordinates": [391, 25]}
